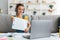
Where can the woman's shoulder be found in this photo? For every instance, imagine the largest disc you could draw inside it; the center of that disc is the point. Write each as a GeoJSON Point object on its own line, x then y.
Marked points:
{"type": "Point", "coordinates": [13, 18]}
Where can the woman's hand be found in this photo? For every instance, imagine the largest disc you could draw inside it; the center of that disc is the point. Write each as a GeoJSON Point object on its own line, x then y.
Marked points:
{"type": "Point", "coordinates": [27, 29]}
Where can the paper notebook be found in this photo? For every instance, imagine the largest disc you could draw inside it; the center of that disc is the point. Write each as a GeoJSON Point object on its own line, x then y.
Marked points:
{"type": "Point", "coordinates": [19, 24]}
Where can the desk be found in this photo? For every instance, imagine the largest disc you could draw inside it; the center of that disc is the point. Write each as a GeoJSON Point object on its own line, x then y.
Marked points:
{"type": "Point", "coordinates": [54, 36]}
{"type": "Point", "coordinates": [19, 36]}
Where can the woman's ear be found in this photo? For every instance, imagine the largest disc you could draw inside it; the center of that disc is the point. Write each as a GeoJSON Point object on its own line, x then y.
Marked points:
{"type": "Point", "coordinates": [15, 9]}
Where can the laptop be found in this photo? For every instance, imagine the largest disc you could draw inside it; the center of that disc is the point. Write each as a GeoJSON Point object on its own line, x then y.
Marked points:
{"type": "Point", "coordinates": [40, 29]}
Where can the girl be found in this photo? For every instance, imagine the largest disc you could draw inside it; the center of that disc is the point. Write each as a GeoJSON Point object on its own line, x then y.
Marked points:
{"type": "Point", "coordinates": [19, 11]}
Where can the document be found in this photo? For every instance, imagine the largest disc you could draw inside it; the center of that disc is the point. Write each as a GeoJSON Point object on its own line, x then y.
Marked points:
{"type": "Point", "coordinates": [19, 24]}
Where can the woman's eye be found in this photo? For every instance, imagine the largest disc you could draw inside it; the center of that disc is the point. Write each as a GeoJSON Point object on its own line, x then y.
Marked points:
{"type": "Point", "coordinates": [20, 9]}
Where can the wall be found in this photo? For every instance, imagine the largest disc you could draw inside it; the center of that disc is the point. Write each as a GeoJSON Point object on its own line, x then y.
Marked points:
{"type": "Point", "coordinates": [57, 7]}
{"type": "Point", "coordinates": [40, 6]}
{"type": "Point", "coordinates": [4, 6]}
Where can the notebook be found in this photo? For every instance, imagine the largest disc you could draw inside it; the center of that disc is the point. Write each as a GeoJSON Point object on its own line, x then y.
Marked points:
{"type": "Point", "coordinates": [19, 24]}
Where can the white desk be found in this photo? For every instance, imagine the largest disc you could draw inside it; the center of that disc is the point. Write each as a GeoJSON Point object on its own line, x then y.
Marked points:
{"type": "Point", "coordinates": [55, 37]}
{"type": "Point", "coordinates": [19, 36]}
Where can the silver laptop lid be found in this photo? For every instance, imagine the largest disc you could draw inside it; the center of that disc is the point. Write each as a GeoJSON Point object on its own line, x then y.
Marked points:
{"type": "Point", "coordinates": [41, 28]}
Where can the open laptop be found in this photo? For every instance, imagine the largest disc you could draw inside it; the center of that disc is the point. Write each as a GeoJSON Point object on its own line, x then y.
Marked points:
{"type": "Point", "coordinates": [40, 29]}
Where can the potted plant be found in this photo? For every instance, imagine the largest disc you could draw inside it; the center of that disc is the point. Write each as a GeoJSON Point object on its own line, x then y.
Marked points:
{"type": "Point", "coordinates": [34, 12]}
{"type": "Point", "coordinates": [51, 6]}
{"type": "Point", "coordinates": [43, 13]}
{"type": "Point", "coordinates": [11, 7]}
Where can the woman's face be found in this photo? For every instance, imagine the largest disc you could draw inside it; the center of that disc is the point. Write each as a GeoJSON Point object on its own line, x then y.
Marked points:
{"type": "Point", "coordinates": [20, 9]}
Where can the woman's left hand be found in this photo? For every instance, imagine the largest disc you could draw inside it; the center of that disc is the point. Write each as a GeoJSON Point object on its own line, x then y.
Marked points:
{"type": "Point", "coordinates": [26, 30]}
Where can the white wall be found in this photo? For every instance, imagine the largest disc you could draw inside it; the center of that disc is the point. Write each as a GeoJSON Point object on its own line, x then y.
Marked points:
{"type": "Point", "coordinates": [41, 6]}
{"type": "Point", "coordinates": [4, 6]}
{"type": "Point", "coordinates": [57, 7]}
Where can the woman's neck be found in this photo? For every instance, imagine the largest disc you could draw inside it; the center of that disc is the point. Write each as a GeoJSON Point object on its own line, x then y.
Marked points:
{"type": "Point", "coordinates": [19, 16]}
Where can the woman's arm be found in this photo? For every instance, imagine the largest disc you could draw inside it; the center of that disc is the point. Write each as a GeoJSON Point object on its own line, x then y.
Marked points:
{"type": "Point", "coordinates": [29, 25]}
{"type": "Point", "coordinates": [12, 17]}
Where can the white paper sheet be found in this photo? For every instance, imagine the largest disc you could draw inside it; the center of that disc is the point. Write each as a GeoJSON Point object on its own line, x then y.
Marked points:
{"type": "Point", "coordinates": [19, 24]}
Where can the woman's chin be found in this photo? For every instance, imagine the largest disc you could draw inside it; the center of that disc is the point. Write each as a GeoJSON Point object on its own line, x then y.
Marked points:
{"type": "Point", "coordinates": [21, 13]}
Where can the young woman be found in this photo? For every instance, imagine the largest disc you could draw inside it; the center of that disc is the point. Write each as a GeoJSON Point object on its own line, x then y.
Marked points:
{"type": "Point", "coordinates": [19, 11]}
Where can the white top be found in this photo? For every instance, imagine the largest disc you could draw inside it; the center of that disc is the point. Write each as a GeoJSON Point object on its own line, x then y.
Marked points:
{"type": "Point", "coordinates": [19, 24]}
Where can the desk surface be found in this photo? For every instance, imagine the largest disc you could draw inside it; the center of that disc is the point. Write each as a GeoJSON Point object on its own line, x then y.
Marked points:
{"type": "Point", "coordinates": [54, 36]}
{"type": "Point", "coordinates": [19, 36]}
